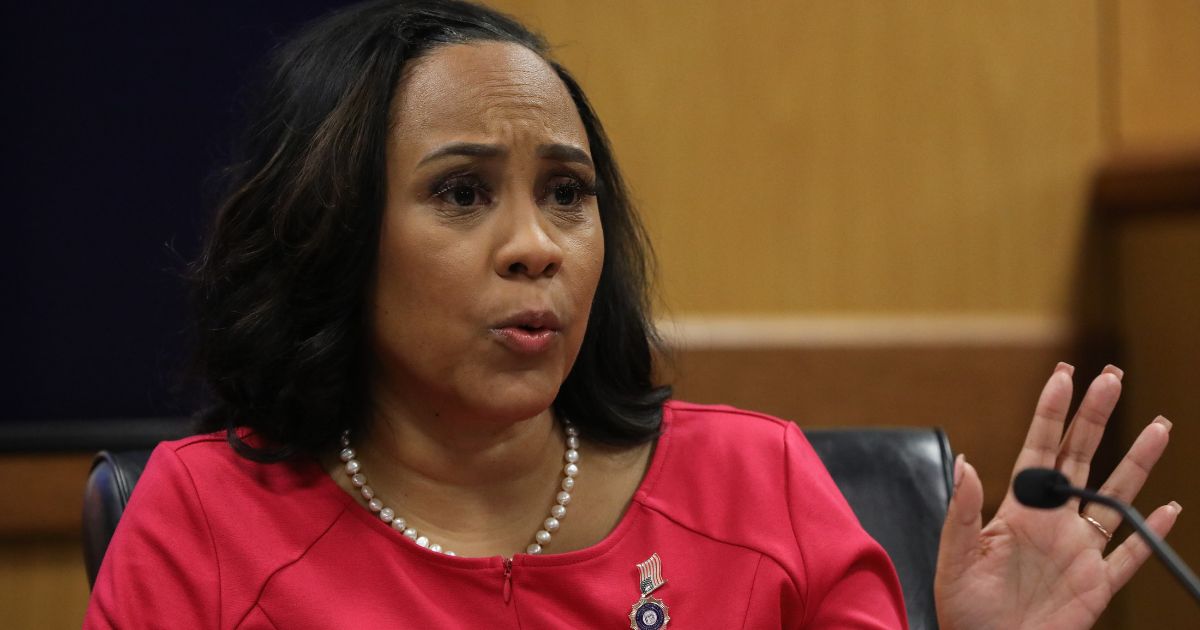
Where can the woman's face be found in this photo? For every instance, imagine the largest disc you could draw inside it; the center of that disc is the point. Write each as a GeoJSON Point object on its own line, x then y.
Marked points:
{"type": "Point", "coordinates": [491, 244]}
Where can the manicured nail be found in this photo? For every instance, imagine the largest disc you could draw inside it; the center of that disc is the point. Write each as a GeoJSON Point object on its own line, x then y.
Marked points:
{"type": "Point", "coordinates": [1114, 370]}
{"type": "Point", "coordinates": [1178, 508]}
{"type": "Point", "coordinates": [958, 469]}
{"type": "Point", "coordinates": [1163, 421]}
{"type": "Point", "coordinates": [1065, 367]}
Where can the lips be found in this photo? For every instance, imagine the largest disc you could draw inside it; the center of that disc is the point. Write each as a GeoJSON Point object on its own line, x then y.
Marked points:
{"type": "Point", "coordinates": [533, 320]}
{"type": "Point", "coordinates": [528, 332]}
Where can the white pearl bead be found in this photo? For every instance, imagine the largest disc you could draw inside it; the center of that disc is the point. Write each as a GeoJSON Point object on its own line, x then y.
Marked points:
{"type": "Point", "coordinates": [435, 547]}
{"type": "Point", "coordinates": [451, 553]}
{"type": "Point", "coordinates": [568, 483]}
{"type": "Point", "coordinates": [375, 505]}
{"type": "Point", "coordinates": [572, 441]}
{"type": "Point", "coordinates": [563, 498]}
{"type": "Point", "coordinates": [387, 514]}
{"type": "Point", "coordinates": [367, 492]}
{"type": "Point", "coordinates": [551, 524]}
{"type": "Point", "coordinates": [411, 533]}
{"type": "Point", "coordinates": [352, 466]}
{"type": "Point", "coordinates": [571, 470]}
{"type": "Point", "coordinates": [542, 536]}
{"type": "Point", "coordinates": [534, 548]}
{"type": "Point", "coordinates": [423, 541]}
{"type": "Point", "coordinates": [398, 524]}
{"type": "Point", "coordinates": [571, 455]}
{"type": "Point", "coordinates": [558, 511]}
{"type": "Point", "coordinates": [345, 439]}
{"type": "Point", "coordinates": [347, 454]}
{"type": "Point", "coordinates": [358, 479]}
{"type": "Point", "coordinates": [572, 431]}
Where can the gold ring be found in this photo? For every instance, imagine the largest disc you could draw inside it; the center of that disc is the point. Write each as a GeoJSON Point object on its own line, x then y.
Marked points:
{"type": "Point", "coordinates": [1097, 525]}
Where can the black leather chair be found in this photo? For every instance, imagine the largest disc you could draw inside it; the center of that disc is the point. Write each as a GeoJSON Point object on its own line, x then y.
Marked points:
{"type": "Point", "coordinates": [107, 492]}
{"type": "Point", "coordinates": [897, 481]}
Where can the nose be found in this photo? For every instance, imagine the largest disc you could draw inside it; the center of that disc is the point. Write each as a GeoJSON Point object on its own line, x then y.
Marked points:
{"type": "Point", "coordinates": [527, 247]}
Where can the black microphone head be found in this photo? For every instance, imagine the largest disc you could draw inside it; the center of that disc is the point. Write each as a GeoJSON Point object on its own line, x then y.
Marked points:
{"type": "Point", "coordinates": [1039, 488]}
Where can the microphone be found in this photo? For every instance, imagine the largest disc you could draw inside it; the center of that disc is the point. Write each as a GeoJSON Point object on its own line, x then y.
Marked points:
{"type": "Point", "coordinates": [1045, 488]}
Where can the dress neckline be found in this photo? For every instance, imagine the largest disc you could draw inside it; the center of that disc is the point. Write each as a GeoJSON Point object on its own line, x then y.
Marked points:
{"type": "Point", "coordinates": [354, 509]}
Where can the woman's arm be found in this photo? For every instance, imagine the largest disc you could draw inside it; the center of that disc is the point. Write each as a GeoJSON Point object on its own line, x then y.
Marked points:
{"type": "Point", "coordinates": [161, 567]}
{"type": "Point", "coordinates": [849, 581]}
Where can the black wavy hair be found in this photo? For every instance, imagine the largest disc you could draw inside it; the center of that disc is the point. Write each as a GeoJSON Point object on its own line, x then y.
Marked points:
{"type": "Point", "coordinates": [280, 288]}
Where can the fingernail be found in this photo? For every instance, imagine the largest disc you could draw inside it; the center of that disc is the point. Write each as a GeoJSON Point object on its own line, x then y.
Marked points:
{"type": "Point", "coordinates": [1163, 421]}
{"type": "Point", "coordinates": [1114, 370]}
{"type": "Point", "coordinates": [1065, 367]}
{"type": "Point", "coordinates": [958, 469]}
{"type": "Point", "coordinates": [1178, 508]}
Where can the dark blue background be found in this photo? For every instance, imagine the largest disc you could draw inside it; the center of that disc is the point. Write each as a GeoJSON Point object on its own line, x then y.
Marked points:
{"type": "Point", "coordinates": [115, 117]}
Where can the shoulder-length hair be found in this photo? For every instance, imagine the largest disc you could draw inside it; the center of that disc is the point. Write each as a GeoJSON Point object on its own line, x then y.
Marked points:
{"type": "Point", "coordinates": [280, 288]}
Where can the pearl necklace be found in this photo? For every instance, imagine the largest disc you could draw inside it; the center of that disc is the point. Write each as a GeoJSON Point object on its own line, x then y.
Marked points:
{"type": "Point", "coordinates": [540, 539]}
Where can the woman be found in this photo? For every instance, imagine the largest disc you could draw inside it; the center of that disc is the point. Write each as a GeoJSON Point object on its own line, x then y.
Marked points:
{"type": "Point", "coordinates": [424, 300]}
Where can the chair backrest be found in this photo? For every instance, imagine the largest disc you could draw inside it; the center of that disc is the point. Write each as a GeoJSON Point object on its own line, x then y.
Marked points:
{"type": "Point", "coordinates": [108, 488]}
{"type": "Point", "coordinates": [897, 481]}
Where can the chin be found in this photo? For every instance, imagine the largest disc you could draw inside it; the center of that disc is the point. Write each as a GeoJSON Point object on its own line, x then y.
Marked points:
{"type": "Point", "coordinates": [518, 401]}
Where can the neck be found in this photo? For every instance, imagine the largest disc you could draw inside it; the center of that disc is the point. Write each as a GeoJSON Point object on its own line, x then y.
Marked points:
{"type": "Point", "coordinates": [479, 486]}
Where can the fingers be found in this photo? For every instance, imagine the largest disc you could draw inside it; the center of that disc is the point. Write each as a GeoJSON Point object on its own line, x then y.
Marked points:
{"type": "Point", "coordinates": [1083, 436]}
{"type": "Point", "coordinates": [1045, 432]}
{"type": "Point", "coordinates": [1125, 560]}
{"type": "Point", "coordinates": [1126, 481]}
{"type": "Point", "coordinates": [960, 533]}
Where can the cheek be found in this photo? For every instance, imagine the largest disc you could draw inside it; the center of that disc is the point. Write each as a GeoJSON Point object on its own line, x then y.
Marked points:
{"type": "Point", "coordinates": [588, 250]}
{"type": "Point", "coordinates": [422, 287]}
{"type": "Point", "coordinates": [423, 264]}
{"type": "Point", "coordinates": [588, 262]}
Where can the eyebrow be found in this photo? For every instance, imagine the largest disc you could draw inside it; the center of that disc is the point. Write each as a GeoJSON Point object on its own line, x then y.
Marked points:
{"type": "Point", "coordinates": [469, 149]}
{"type": "Point", "coordinates": [565, 153]}
{"type": "Point", "coordinates": [560, 152]}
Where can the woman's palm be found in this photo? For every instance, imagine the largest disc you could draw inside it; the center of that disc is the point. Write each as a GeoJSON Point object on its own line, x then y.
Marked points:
{"type": "Point", "coordinates": [1032, 568]}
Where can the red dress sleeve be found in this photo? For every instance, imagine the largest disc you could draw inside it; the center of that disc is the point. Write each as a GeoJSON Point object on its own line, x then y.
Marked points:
{"type": "Point", "coordinates": [161, 568]}
{"type": "Point", "coordinates": [850, 579]}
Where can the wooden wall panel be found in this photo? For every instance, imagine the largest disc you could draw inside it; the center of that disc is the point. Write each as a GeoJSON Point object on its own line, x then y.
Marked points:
{"type": "Point", "coordinates": [42, 579]}
{"type": "Point", "coordinates": [42, 582]}
{"type": "Point", "coordinates": [847, 156]}
{"type": "Point", "coordinates": [981, 394]}
{"type": "Point", "coordinates": [33, 499]}
{"type": "Point", "coordinates": [1160, 302]}
{"type": "Point", "coordinates": [1156, 87]}
{"type": "Point", "coordinates": [1158, 72]}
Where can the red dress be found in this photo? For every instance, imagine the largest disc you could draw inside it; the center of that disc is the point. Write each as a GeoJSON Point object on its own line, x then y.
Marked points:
{"type": "Point", "coordinates": [751, 533]}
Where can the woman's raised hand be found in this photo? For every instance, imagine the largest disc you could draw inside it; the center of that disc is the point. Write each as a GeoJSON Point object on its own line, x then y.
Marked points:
{"type": "Point", "coordinates": [1031, 568]}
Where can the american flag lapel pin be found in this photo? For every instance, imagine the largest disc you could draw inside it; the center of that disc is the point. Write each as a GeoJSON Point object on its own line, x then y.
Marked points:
{"type": "Point", "coordinates": [649, 613]}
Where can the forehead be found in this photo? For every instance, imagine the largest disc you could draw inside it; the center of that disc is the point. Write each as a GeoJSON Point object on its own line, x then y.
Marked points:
{"type": "Point", "coordinates": [492, 90]}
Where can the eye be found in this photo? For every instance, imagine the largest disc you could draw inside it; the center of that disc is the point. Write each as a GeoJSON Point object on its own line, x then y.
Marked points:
{"type": "Point", "coordinates": [568, 192]}
{"type": "Point", "coordinates": [462, 192]}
